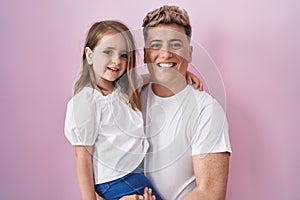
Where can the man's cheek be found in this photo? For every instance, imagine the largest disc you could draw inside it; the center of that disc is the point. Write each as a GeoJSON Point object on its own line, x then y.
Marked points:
{"type": "Point", "coordinates": [146, 56]}
{"type": "Point", "coordinates": [183, 54]}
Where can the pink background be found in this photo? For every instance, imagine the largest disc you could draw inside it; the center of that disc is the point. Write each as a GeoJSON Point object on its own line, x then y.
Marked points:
{"type": "Point", "coordinates": [255, 45]}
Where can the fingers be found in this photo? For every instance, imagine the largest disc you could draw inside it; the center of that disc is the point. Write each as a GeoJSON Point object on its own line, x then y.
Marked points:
{"type": "Point", "coordinates": [192, 79]}
{"type": "Point", "coordinates": [201, 86]}
{"type": "Point", "coordinates": [197, 84]}
{"type": "Point", "coordinates": [98, 197]}
{"type": "Point", "coordinates": [189, 80]}
{"type": "Point", "coordinates": [132, 197]}
{"type": "Point", "coordinates": [148, 194]}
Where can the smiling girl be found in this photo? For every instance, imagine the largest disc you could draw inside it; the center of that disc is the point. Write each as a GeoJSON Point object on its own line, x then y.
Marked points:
{"type": "Point", "coordinates": [103, 119]}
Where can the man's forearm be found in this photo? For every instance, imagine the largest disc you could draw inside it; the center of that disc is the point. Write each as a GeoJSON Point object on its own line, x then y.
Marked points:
{"type": "Point", "coordinates": [211, 172]}
{"type": "Point", "coordinates": [198, 194]}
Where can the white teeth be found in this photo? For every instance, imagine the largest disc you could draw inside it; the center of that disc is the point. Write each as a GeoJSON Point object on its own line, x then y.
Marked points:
{"type": "Point", "coordinates": [165, 65]}
{"type": "Point", "coordinates": [112, 68]}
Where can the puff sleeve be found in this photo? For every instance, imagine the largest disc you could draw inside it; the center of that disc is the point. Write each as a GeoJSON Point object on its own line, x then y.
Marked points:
{"type": "Point", "coordinates": [81, 120]}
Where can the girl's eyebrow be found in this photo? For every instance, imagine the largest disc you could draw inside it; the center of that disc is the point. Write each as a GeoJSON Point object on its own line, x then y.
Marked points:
{"type": "Point", "coordinates": [113, 48]}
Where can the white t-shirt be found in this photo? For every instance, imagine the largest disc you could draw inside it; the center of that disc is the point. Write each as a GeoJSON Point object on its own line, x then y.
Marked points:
{"type": "Point", "coordinates": [110, 125]}
{"type": "Point", "coordinates": [177, 127]}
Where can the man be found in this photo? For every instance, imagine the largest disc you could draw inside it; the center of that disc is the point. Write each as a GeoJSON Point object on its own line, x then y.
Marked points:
{"type": "Point", "coordinates": [189, 149]}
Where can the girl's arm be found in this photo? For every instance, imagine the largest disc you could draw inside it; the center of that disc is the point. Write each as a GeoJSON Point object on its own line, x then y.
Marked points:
{"type": "Point", "coordinates": [84, 168]}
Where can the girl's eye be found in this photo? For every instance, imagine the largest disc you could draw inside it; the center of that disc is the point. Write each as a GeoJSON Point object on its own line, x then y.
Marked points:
{"type": "Point", "coordinates": [107, 52]}
{"type": "Point", "coordinates": [124, 55]}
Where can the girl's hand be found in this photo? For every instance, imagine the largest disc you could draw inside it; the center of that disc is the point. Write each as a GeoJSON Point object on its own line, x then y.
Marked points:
{"type": "Point", "coordinates": [192, 79]}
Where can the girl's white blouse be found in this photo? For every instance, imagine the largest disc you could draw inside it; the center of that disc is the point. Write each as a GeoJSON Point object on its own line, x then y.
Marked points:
{"type": "Point", "coordinates": [110, 125]}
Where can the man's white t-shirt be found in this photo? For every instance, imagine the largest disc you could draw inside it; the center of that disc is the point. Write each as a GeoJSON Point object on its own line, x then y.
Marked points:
{"type": "Point", "coordinates": [110, 125]}
{"type": "Point", "coordinates": [178, 127]}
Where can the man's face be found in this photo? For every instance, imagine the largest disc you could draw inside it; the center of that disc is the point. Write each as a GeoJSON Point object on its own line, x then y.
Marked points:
{"type": "Point", "coordinates": [167, 52]}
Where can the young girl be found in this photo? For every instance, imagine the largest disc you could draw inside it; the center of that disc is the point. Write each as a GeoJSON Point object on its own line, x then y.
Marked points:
{"type": "Point", "coordinates": [104, 119]}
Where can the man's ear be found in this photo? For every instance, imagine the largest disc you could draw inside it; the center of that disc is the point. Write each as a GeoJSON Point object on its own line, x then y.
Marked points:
{"type": "Point", "coordinates": [89, 55]}
{"type": "Point", "coordinates": [190, 56]}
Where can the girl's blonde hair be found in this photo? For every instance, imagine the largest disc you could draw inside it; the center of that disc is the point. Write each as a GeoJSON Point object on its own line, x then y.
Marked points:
{"type": "Point", "coordinates": [128, 81]}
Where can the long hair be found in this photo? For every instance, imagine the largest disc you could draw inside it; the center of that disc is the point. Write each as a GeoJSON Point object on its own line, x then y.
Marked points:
{"type": "Point", "coordinates": [128, 81]}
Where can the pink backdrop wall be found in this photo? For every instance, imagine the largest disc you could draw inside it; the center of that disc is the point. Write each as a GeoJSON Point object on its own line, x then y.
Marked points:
{"type": "Point", "coordinates": [255, 45]}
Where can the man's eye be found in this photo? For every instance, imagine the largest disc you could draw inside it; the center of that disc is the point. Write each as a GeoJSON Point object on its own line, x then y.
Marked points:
{"type": "Point", "coordinates": [124, 55]}
{"type": "Point", "coordinates": [176, 45]}
{"type": "Point", "coordinates": [108, 52]}
{"type": "Point", "coordinates": [155, 46]}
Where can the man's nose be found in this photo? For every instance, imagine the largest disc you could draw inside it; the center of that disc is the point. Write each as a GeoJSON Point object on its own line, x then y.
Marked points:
{"type": "Point", "coordinates": [165, 53]}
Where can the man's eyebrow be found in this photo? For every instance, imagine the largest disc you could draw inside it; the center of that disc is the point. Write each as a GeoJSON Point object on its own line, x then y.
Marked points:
{"type": "Point", "coordinates": [172, 40]}
{"type": "Point", "coordinates": [156, 41]}
{"type": "Point", "coordinates": [176, 40]}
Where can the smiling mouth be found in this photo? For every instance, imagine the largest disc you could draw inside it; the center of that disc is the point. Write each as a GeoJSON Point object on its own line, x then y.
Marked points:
{"type": "Point", "coordinates": [166, 65]}
{"type": "Point", "coordinates": [113, 69]}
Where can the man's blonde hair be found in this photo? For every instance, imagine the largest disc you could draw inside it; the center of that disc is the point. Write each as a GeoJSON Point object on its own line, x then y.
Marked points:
{"type": "Point", "coordinates": [167, 15]}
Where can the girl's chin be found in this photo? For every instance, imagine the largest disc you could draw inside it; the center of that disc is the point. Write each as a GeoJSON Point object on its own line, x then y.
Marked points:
{"type": "Point", "coordinates": [110, 78]}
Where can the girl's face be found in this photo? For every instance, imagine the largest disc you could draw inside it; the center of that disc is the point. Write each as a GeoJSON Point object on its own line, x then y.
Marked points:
{"type": "Point", "coordinates": [109, 57]}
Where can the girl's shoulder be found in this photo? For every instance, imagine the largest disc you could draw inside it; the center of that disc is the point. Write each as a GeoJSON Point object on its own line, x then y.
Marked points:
{"type": "Point", "coordinates": [86, 96]}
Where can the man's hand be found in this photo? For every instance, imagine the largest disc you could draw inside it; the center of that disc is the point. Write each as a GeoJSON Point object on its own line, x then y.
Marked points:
{"type": "Point", "coordinates": [147, 196]}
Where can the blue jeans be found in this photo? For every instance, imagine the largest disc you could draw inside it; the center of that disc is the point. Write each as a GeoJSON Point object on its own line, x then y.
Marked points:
{"type": "Point", "coordinates": [132, 183]}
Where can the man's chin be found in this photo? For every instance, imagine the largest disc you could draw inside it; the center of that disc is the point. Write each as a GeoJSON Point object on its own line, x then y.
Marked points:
{"type": "Point", "coordinates": [164, 79]}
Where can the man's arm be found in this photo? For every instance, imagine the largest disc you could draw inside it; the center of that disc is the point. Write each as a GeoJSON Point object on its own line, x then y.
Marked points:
{"type": "Point", "coordinates": [211, 172]}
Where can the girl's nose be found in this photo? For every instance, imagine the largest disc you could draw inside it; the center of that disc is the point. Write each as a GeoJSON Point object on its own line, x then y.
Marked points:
{"type": "Point", "coordinates": [116, 60]}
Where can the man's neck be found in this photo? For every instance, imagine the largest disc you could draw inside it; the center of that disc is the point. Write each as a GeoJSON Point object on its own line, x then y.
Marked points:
{"type": "Point", "coordinates": [168, 90]}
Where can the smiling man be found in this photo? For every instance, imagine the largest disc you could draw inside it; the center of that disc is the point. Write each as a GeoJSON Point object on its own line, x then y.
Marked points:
{"type": "Point", "coordinates": [167, 53]}
{"type": "Point", "coordinates": [187, 130]}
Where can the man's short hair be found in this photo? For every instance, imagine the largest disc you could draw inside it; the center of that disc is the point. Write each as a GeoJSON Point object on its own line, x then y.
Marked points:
{"type": "Point", "coordinates": [167, 15]}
